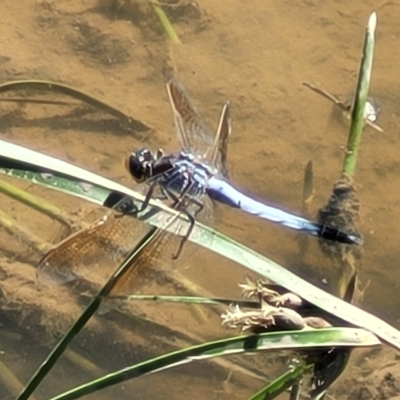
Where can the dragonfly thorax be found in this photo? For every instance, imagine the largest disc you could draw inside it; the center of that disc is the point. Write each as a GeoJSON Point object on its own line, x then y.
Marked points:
{"type": "Point", "coordinates": [187, 175]}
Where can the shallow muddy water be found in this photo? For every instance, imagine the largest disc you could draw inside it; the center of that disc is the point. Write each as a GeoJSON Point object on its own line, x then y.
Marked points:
{"type": "Point", "coordinates": [256, 54]}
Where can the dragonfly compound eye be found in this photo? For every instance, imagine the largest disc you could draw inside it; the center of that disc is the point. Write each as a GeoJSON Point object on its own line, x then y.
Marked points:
{"type": "Point", "coordinates": [139, 164]}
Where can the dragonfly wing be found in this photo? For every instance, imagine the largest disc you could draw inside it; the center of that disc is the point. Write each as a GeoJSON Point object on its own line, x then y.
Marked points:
{"type": "Point", "coordinates": [155, 253]}
{"type": "Point", "coordinates": [219, 151]}
{"type": "Point", "coordinates": [193, 135]}
{"type": "Point", "coordinates": [104, 243]}
{"type": "Point", "coordinates": [150, 257]}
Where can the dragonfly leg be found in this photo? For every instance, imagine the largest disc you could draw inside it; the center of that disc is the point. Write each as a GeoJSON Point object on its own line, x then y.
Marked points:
{"type": "Point", "coordinates": [199, 205]}
{"type": "Point", "coordinates": [148, 197]}
{"type": "Point", "coordinates": [180, 203]}
{"type": "Point", "coordinates": [187, 235]}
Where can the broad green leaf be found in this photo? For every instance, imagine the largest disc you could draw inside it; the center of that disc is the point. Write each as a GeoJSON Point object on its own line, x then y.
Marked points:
{"type": "Point", "coordinates": [270, 341]}
{"type": "Point", "coordinates": [203, 236]}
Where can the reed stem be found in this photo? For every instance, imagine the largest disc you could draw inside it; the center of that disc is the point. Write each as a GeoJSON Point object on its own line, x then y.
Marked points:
{"type": "Point", "coordinates": [360, 99]}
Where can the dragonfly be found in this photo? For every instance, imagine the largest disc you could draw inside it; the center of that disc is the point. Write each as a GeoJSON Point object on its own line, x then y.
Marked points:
{"type": "Point", "coordinates": [112, 237]}
{"type": "Point", "coordinates": [186, 180]}
{"type": "Point", "coordinates": [200, 173]}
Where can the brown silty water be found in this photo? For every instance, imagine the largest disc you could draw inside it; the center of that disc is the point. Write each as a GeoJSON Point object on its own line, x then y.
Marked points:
{"type": "Point", "coordinates": [255, 54]}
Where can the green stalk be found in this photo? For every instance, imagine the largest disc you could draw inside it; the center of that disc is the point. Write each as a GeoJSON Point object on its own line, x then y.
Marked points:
{"type": "Point", "coordinates": [16, 229]}
{"type": "Point", "coordinates": [269, 341]}
{"type": "Point", "coordinates": [282, 383]}
{"type": "Point", "coordinates": [187, 300]}
{"type": "Point", "coordinates": [78, 325]}
{"type": "Point", "coordinates": [360, 99]}
{"type": "Point", "coordinates": [165, 23]}
{"type": "Point", "coordinates": [35, 202]}
{"type": "Point", "coordinates": [85, 364]}
{"type": "Point", "coordinates": [29, 161]}
{"type": "Point", "coordinates": [9, 381]}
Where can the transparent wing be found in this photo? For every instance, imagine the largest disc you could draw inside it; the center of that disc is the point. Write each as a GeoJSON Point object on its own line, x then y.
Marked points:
{"type": "Point", "coordinates": [101, 247]}
{"type": "Point", "coordinates": [104, 244]}
{"type": "Point", "coordinates": [219, 151]}
{"type": "Point", "coordinates": [149, 258]}
{"type": "Point", "coordinates": [192, 133]}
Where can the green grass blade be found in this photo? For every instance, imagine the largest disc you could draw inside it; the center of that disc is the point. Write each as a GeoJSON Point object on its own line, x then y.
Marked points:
{"type": "Point", "coordinates": [59, 349]}
{"type": "Point", "coordinates": [188, 300]}
{"type": "Point", "coordinates": [35, 202]}
{"type": "Point", "coordinates": [282, 383]}
{"type": "Point", "coordinates": [202, 236]}
{"type": "Point", "coordinates": [360, 99]}
{"type": "Point", "coordinates": [76, 327]}
{"type": "Point", "coordinates": [271, 341]}
{"type": "Point", "coordinates": [165, 23]}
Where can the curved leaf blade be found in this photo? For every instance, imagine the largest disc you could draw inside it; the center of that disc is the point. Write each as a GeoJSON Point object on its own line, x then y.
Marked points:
{"type": "Point", "coordinates": [271, 341]}
{"type": "Point", "coordinates": [202, 236]}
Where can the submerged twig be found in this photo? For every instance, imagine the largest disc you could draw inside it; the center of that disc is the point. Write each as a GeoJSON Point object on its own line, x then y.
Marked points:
{"type": "Point", "coordinates": [306, 200]}
{"type": "Point", "coordinates": [308, 187]}
{"type": "Point", "coordinates": [345, 107]}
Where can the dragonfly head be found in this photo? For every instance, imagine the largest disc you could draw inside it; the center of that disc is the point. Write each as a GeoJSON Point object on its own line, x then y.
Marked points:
{"type": "Point", "coordinates": [140, 164]}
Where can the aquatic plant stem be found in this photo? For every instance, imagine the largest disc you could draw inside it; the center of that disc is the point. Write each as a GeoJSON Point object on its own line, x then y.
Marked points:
{"type": "Point", "coordinates": [78, 325]}
{"type": "Point", "coordinates": [282, 383]}
{"type": "Point", "coordinates": [201, 235]}
{"type": "Point", "coordinates": [165, 23]}
{"type": "Point", "coordinates": [269, 341]}
{"type": "Point", "coordinates": [360, 99]}
{"type": "Point", "coordinates": [9, 381]}
{"type": "Point", "coordinates": [35, 202]}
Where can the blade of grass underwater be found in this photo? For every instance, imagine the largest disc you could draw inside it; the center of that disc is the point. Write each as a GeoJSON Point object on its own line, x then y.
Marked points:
{"type": "Point", "coordinates": [360, 99]}
{"type": "Point", "coordinates": [75, 93]}
{"type": "Point", "coordinates": [77, 326]}
{"type": "Point", "coordinates": [23, 234]}
{"type": "Point", "coordinates": [165, 23]}
{"type": "Point", "coordinates": [188, 300]}
{"type": "Point", "coordinates": [271, 341]}
{"type": "Point", "coordinates": [201, 235]}
{"type": "Point", "coordinates": [282, 383]}
{"type": "Point", "coordinates": [9, 381]}
{"type": "Point", "coordinates": [35, 202]}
